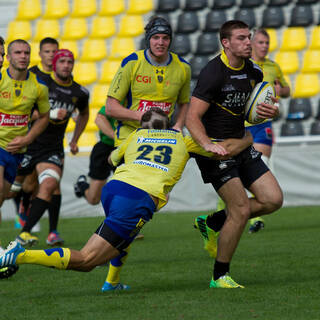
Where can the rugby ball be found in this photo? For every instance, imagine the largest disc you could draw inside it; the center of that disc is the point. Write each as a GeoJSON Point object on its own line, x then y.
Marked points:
{"type": "Point", "coordinates": [262, 92]}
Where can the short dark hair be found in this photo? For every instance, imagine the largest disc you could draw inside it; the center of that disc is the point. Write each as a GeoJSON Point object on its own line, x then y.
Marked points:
{"type": "Point", "coordinates": [48, 40]}
{"type": "Point", "coordinates": [260, 31]}
{"type": "Point", "coordinates": [154, 118]}
{"type": "Point", "coordinates": [17, 41]}
{"type": "Point", "coordinates": [227, 28]}
{"type": "Point", "coordinates": [1, 41]}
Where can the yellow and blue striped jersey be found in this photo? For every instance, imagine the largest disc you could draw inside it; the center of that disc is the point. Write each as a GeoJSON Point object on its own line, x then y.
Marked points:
{"type": "Point", "coordinates": [140, 85]}
{"type": "Point", "coordinates": [17, 99]}
{"type": "Point", "coordinates": [153, 160]}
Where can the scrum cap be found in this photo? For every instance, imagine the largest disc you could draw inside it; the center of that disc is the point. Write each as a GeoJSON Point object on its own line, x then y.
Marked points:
{"type": "Point", "coordinates": [59, 54]}
{"type": "Point", "coordinates": [157, 25]}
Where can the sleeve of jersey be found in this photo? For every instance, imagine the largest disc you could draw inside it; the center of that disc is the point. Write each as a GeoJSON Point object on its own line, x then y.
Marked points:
{"type": "Point", "coordinates": [195, 148]}
{"type": "Point", "coordinates": [184, 95]}
{"type": "Point", "coordinates": [121, 82]}
{"type": "Point", "coordinates": [118, 154]}
{"type": "Point", "coordinates": [102, 111]}
{"type": "Point", "coordinates": [43, 99]}
{"type": "Point", "coordinates": [207, 84]}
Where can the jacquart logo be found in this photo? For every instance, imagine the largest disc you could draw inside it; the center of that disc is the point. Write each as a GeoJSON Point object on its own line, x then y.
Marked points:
{"type": "Point", "coordinates": [13, 120]}
{"type": "Point", "coordinates": [146, 105]}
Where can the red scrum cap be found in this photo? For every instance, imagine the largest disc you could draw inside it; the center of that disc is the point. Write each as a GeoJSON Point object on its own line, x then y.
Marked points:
{"type": "Point", "coordinates": [59, 54]}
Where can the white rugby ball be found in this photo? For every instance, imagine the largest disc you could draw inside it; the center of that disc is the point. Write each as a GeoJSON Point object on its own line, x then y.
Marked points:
{"type": "Point", "coordinates": [262, 92]}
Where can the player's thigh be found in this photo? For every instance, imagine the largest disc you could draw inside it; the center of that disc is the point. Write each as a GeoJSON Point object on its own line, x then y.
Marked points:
{"type": "Point", "coordinates": [30, 182]}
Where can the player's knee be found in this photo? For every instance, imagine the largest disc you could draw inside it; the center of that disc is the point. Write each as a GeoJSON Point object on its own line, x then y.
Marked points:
{"type": "Point", "coordinates": [272, 202]}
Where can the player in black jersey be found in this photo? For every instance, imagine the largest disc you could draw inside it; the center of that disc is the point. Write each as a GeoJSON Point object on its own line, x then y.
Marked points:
{"type": "Point", "coordinates": [46, 153]}
{"type": "Point", "coordinates": [217, 111]}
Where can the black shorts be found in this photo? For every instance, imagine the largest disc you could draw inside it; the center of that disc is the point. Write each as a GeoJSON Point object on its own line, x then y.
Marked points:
{"type": "Point", "coordinates": [32, 158]}
{"type": "Point", "coordinates": [248, 166]}
{"type": "Point", "coordinates": [99, 168]}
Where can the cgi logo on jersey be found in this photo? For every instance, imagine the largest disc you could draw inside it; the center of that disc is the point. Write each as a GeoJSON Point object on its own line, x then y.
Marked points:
{"type": "Point", "coordinates": [13, 120]}
{"type": "Point", "coordinates": [146, 105]}
{"type": "Point", "coordinates": [144, 79]}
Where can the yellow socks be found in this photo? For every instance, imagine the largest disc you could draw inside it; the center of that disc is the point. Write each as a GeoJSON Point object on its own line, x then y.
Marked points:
{"type": "Point", "coordinates": [57, 258]}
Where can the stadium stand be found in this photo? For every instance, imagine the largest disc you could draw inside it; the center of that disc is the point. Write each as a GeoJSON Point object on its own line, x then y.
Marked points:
{"type": "Point", "coordinates": [56, 9]}
{"type": "Point", "coordinates": [111, 7]}
{"type": "Point", "coordinates": [214, 20]}
{"type": "Point", "coordinates": [74, 29]}
{"type": "Point", "coordinates": [19, 29]}
{"type": "Point", "coordinates": [299, 109]}
{"type": "Point", "coordinates": [94, 50]}
{"type": "Point", "coordinates": [272, 17]}
{"type": "Point", "coordinates": [181, 44]}
{"type": "Point", "coordinates": [292, 128]}
{"type": "Point", "coordinates": [46, 28]}
{"type": "Point", "coordinates": [108, 70]}
{"type": "Point", "coordinates": [83, 8]}
{"type": "Point", "coordinates": [29, 9]}
{"type": "Point", "coordinates": [288, 61]}
{"type": "Point", "coordinates": [103, 27]}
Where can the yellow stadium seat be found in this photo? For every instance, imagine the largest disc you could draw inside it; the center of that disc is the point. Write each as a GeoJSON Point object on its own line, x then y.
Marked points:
{"type": "Point", "coordinates": [91, 125]}
{"type": "Point", "coordinates": [273, 39]}
{"type": "Point", "coordinates": [46, 28]}
{"type": "Point", "coordinates": [87, 139]}
{"type": "Point", "coordinates": [140, 6]}
{"type": "Point", "coordinates": [34, 57]}
{"type": "Point", "coordinates": [85, 72]}
{"type": "Point", "coordinates": [121, 47]}
{"type": "Point", "coordinates": [315, 38]}
{"type": "Point", "coordinates": [288, 61]}
{"type": "Point", "coordinates": [70, 45]}
{"type": "Point", "coordinates": [20, 29]}
{"type": "Point", "coordinates": [287, 78]}
{"type": "Point", "coordinates": [294, 38]}
{"type": "Point", "coordinates": [94, 50]}
{"type": "Point", "coordinates": [56, 9]}
{"type": "Point", "coordinates": [109, 68]}
{"type": "Point", "coordinates": [103, 27]}
{"type": "Point", "coordinates": [74, 29]}
{"type": "Point", "coordinates": [131, 26]}
{"type": "Point", "coordinates": [83, 8]}
{"type": "Point", "coordinates": [71, 126]}
{"type": "Point", "coordinates": [99, 95]}
{"type": "Point", "coordinates": [28, 9]}
{"type": "Point", "coordinates": [111, 7]}
{"type": "Point", "coordinates": [311, 61]}
{"type": "Point", "coordinates": [306, 85]}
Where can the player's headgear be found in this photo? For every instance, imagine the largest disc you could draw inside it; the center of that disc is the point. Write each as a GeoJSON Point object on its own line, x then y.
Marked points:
{"type": "Point", "coordinates": [59, 54]}
{"type": "Point", "coordinates": [157, 25]}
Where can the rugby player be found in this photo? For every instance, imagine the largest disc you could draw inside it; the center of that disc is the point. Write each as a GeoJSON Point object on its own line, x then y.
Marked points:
{"type": "Point", "coordinates": [46, 153]}
{"type": "Point", "coordinates": [217, 111]}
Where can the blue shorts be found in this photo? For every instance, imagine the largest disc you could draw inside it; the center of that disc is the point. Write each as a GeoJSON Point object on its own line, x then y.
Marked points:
{"type": "Point", "coordinates": [127, 208]}
{"type": "Point", "coordinates": [262, 133]}
{"type": "Point", "coordinates": [10, 162]}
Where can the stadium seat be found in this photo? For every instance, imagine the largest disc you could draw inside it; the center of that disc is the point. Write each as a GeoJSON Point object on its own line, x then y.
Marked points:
{"type": "Point", "coordinates": [288, 80]}
{"type": "Point", "coordinates": [103, 27]}
{"type": "Point", "coordinates": [223, 4]}
{"type": "Point", "coordinates": [168, 5]}
{"type": "Point", "coordinates": [188, 22]}
{"type": "Point", "coordinates": [301, 16]}
{"type": "Point", "coordinates": [193, 83]}
{"type": "Point", "coordinates": [111, 7]}
{"type": "Point", "coordinates": [94, 50]}
{"type": "Point", "coordinates": [85, 73]}
{"type": "Point", "coordinates": [70, 45]}
{"type": "Point", "coordinates": [56, 9]}
{"type": "Point", "coordinates": [251, 3]}
{"type": "Point", "coordinates": [71, 125]}
{"type": "Point", "coordinates": [318, 112]}
{"type": "Point", "coordinates": [34, 57]}
{"type": "Point", "coordinates": [194, 5]}
{"type": "Point", "coordinates": [108, 70]}
{"type": "Point", "coordinates": [315, 128]}
{"type": "Point", "coordinates": [20, 29]}
{"type": "Point", "coordinates": [197, 63]}
{"type": "Point", "coordinates": [28, 10]}
{"type": "Point", "coordinates": [46, 28]}
{"type": "Point", "coordinates": [307, 1]}
{"type": "Point", "coordinates": [272, 17]}
{"type": "Point", "coordinates": [140, 6]}
{"type": "Point", "coordinates": [83, 8]}
{"type": "Point", "coordinates": [315, 38]}
{"type": "Point", "coordinates": [74, 29]}
{"type": "Point", "coordinates": [306, 85]}
{"type": "Point", "coordinates": [207, 44]}
{"type": "Point", "coordinates": [278, 2]}
{"type": "Point", "coordinates": [99, 95]}
{"type": "Point", "coordinates": [87, 139]}
{"type": "Point", "coordinates": [273, 45]}
{"type": "Point", "coordinates": [299, 109]}
{"type": "Point", "coordinates": [311, 61]}
{"type": "Point", "coordinates": [131, 26]}
{"type": "Point", "coordinates": [293, 38]}
{"type": "Point", "coordinates": [246, 15]}
{"type": "Point", "coordinates": [121, 47]}
{"type": "Point", "coordinates": [291, 128]}
{"type": "Point", "coordinates": [181, 44]}
{"type": "Point", "coordinates": [91, 126]}
{"type": "Point", "coordinates": [214, 20]}
{"type": "Point", "coordinates": [288, 61]}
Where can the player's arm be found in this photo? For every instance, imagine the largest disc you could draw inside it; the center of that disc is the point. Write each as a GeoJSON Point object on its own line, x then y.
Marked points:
{"type": "Point", "coordinates": [235, 146]}
{"type": "Point", "coordinates": [104, 125]}
{"type": "Point", "coordinates": [197, 130]}
{"type": "Point", "coordinates": [81, 123]}
{"type": "Point", "coordinates": [283, 92]}
{"type": "Point", "coordinates": [181, 117]}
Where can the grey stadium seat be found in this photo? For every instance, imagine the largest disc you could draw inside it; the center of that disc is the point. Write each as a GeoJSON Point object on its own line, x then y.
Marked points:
{"type": "Point", "coordinates": [181, 44]}
{"type": "Point", "coordinates": [251, 3]}
{"type": "Point", "coordinates": [299, 109]}
{"type": "Point", "coordinates": [307, 1]}
{"type": "Point", "coordinates": [279, 2]}
{"type": "Point", "coordinates": [246, 15]}
{"type": "Point", "coordinates": [214, 20]}
{"type": "Point", "coordinates": [291, 128]}
{"type": "Point", "coordinates": [168, 5]}
{"type": "Point", "coordinates": [315, 128]}
{"type": "Point", "coordinates": [197, 63]}
{"type": "Point", "coordinates": [207, 44]}
{"type": "Point", "coordinates": [188, 22]}
{"type": "Point", "coordinates": [273, 17]}
{"type": "Point", "coordinates": [223, 4]}
{"type": "Point", "coordinates": [193, 5]}
{"type": "Point", "coordinates": [301, 16]}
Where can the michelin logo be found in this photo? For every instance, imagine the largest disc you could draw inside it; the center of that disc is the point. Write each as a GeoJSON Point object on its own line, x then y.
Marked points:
{"type": "Point", "coordinates": [155, 140]}
{"type": "Point", "coordinates": [151, 164]}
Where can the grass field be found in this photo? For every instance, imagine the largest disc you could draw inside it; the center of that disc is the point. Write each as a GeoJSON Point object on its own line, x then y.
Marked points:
{"type": "Point", "coordinates": [169, 275]}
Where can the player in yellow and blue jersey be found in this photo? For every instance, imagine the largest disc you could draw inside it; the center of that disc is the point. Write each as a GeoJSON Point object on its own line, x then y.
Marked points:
{"type": "Point", "coordinates": [154, 158]}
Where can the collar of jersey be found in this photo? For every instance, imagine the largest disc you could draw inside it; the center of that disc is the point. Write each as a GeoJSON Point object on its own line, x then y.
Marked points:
{"type": "Point", "coordinates": [61, 84]}
{"type": "Point", "coordinates": [40, 67]}
{"type": "Point", "coordinates": [169, 129]}
{"type": "Point", "coordinates": [146, 56]}
{"type": "Point", "coordinates": [18, 80]}
{"type": "Point", "coordinates": [225, 60]}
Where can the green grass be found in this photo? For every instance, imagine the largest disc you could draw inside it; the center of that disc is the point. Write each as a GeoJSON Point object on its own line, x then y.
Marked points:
{"type": "Point", "coordinates": [169, 275]}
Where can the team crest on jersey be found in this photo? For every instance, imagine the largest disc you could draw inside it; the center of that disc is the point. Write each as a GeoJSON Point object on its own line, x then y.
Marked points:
{"type": "Point", "coordinates": [253, 83]}
{"type": "Point", "coordinates": [17, 89]}
{"type": "Point", "coordinates": [74, 100]}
